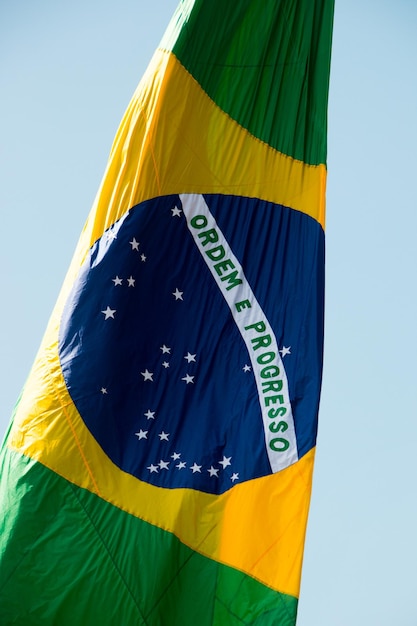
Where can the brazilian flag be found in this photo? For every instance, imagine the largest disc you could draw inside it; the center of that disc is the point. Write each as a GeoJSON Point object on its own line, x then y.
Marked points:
{"type": "Point", "coordinates": [158, 467]}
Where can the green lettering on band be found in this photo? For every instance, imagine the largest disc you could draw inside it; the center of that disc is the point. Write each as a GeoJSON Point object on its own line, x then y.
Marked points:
{"type": "Point", "coordinates": [279, 444]}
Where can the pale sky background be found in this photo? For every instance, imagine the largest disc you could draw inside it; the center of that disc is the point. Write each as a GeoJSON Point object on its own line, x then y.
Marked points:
{"type": "Point", "coordinates": [67, 72]}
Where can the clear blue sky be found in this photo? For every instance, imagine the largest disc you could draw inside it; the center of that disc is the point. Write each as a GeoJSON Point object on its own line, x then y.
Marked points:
{"type": "Point", "coordinates": [67, 72]}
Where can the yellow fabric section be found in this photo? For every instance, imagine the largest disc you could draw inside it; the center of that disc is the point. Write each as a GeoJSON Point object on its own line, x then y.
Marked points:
{"type": "Point", "coordinates": [259, 526]}
{"type": "Point", "coordinates": [175, 139]}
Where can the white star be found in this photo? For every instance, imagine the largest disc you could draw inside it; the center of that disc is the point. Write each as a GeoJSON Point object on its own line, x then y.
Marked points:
{"type": "Point", "coordinates": [190, 357]}
{"type": "Point", "coordinates": [195, 468]}
{"type": "Point", "coordinates": [175, 456]}
{"type": "Point", "coordinates": [177, 294]}
{"type": "Point", "coordinates": [188, 379]}
{"type": "Point", "coordinates": [147, 375]}
{"type": "Point", "coordinates": [213, 472]}
{"type": "Point", "coordinates": [176, 212]}
{"type": "Point", "coordinates": [111, 235]}
{"type": "Point", "coordinates": [285, 351]}
{"type": "Point", "coordinates": [150, 415]}
{"type": "Point", "coordinates": [152, 468]}
{"type": "Point", "coordinates": [181, 465]}
{"type": "Point", "coordinates": [109, 313]}
{"type": "Point", "coordinates": [134, 244]}
{"type": "Point", "coordinates": [247, 368]}
{"type": "Point", "coordinates": [234, 477]}
{"type": "Point", "coordinates": [225, 462]}
{"type": "Point", "coordinates": [163, 464]}
{"type": "Point", "coordinates": [142, 434]}
{"type": "Point", "coordinates": [117, 281]}
{"type": "Point", "coordinates": [103, 390]}
{"type": "Point", "coordinates": [143, 258]}
{"type": "Point", "coordinates": [131, 281]}
{"type": "Point", "coordinates": [165, 349]}
{"type": "Point", "coordinates": [163, 436]}
{"type": "Point", "coordinates": [165, 364]}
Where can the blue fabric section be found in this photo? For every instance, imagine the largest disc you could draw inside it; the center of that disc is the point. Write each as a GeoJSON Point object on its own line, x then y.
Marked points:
{"type": "Point", "coordinates": [153, 359]}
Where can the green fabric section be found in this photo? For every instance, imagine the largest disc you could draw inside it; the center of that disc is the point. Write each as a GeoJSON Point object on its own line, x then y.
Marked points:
{"type": "Point", "coordinates": [265, 63]}
{"type": "Point", "coordinates": [67, 557]}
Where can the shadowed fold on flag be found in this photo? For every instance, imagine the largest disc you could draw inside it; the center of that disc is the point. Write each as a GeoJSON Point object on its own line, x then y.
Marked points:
{"type": "Point", "coordinates": [158, 467]}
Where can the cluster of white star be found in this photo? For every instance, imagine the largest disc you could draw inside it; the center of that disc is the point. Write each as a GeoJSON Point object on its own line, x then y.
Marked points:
{"type": "Point", "coordinates": [176, 461]}
{"type": "Point", "coordinates": [108, 312]}
{"type": "Point", "coordinates": [148, 376]}
{"type": "Point", "coordinates": [190, 358]}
